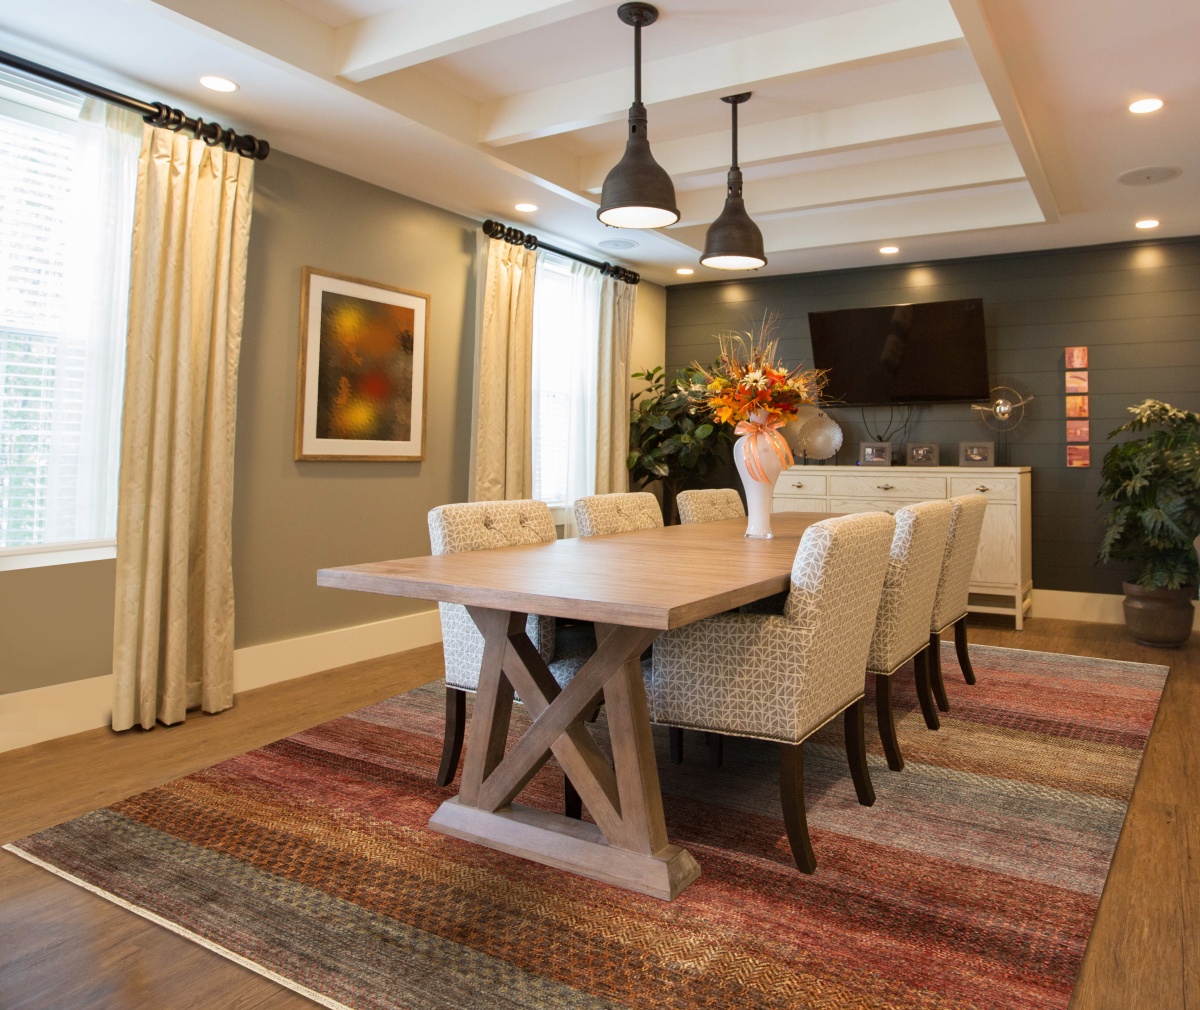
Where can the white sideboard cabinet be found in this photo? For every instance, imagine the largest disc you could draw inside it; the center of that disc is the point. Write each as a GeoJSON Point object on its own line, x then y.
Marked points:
{"type": "Point", "coordinates": [1002, 582]}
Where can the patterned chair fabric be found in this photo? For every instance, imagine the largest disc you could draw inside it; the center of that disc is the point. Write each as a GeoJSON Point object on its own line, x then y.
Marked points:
{"type": "Point", "coordinates": [709, 506]}
{"type": "Point", "coordinates": [478, 526]}
{"type": "Point", "coordinates": [910, 585]}
{"type": "Point", "coordinates": [780, 677]}
{"type": "Point", "coordinates": [962, 544]}
{"type": "Point", "coordinates": [624, 512]}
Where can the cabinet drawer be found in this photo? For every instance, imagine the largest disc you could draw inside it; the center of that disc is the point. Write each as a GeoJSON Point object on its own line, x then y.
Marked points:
{"type": "Point", "coordinates": [797, 482]}
{"type": "Point", "coordinates": [794, 503]}
{"type": "Point", "coordinates": [888, 505]}
{"type": "Point", "coordinates": [885, 482]}
{"type": "Point", "coordinates": [992, 488]}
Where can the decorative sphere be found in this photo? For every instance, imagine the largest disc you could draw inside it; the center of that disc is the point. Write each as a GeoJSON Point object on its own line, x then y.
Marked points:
{"type": "Point", "coordinates": [1002, 409]}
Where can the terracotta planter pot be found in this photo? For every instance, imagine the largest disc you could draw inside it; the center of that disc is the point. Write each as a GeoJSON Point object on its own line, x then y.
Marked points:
{"type": "Point", "coordinates": [1159, 617]}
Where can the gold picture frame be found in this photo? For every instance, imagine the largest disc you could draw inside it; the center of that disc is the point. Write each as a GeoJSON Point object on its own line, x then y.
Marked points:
{"type": "Point", "coordinates": [363, 370]}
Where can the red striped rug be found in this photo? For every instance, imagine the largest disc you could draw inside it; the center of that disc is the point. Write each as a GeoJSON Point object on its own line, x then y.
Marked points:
{"type": "Point", "coordinates": [972, 882]}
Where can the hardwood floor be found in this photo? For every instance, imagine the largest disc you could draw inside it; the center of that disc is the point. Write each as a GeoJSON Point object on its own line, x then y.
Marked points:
{"type": "Point", "coordinates": [63, 948]}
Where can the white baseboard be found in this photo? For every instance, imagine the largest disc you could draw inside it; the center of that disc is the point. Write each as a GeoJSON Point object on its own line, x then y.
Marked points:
{"type": "Point", "coordinates": [46, 713]}
{"type": "Point", "coordinates": [1097, 608]}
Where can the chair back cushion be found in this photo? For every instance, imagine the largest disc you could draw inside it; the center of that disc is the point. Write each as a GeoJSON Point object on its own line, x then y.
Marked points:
{"type": "Point", "coordinates": [910, 584]}
{"type": "Point", "coordinates": [624, 512]}
{"type": "Point", "coordinates": [709, 506]}
{"type": "Point", "coordinates": [962, 544]}
{"type": "Point", "coordinates": [477, 526]}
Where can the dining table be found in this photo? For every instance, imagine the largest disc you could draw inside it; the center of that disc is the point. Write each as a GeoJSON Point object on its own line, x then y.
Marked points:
{"type": "Point", "coordinates": [632, 586]}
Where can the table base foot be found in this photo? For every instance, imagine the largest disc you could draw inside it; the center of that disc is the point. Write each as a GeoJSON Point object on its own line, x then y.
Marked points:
{"type": "Point", "coordinates": [576, 846]}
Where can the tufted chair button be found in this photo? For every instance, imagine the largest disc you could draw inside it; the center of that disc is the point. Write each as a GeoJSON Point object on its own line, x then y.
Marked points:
{"type": "Point", "coordinates": [488, 523]}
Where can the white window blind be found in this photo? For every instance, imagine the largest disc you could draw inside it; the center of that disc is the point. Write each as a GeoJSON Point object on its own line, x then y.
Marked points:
{"type": "Point", "coordinates": [566, 327]}
{"type": "Point", "coordinates": [66, 200]}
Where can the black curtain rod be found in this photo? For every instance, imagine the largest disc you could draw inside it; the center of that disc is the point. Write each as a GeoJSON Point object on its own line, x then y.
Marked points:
{"type": "Point", "coordinates": [514, 236]}
{"type": "Point", "coordinates": [153, 113]}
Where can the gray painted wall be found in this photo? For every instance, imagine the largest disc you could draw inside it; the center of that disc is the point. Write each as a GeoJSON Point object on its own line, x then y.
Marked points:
{"type": "Point", "coordinates": [1136, 306]}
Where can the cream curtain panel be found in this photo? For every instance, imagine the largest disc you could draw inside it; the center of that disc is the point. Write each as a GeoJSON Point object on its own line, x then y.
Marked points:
{"type": "Point", "coordinates": [504, 422]}
{"type": "Point", "coordinates": [612, 400]}
{"type": "Point", "coordinates": [173, 644]}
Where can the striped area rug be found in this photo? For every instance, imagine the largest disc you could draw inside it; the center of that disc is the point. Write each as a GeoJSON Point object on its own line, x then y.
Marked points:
{"type": "Point", "coordinates": [972, 882]}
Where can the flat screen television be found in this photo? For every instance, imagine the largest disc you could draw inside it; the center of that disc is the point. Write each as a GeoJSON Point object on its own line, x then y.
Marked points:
{"type": "Point", "coordinates": [932, 352]}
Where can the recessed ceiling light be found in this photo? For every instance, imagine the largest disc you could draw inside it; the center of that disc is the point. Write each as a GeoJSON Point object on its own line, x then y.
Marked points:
{"type": "Point", "coordinates": [1149, 176]}
{"type": "Point", "coordinates": [218, 84]}
{"type": "Point", "coordinates": [889, 250]}
{"type": "Point", "coordinates": [685, 271]}
{"type": "Point", "coordinates": [1146, 105]}
{"type": "Point", "coordinates": [1147, 223]}
{"type": "Point", "coordinates": [526, 208]}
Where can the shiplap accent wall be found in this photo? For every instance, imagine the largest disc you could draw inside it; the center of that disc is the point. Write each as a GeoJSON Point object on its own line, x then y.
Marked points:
{"type": "Point", "coordinates": [1136, 306]}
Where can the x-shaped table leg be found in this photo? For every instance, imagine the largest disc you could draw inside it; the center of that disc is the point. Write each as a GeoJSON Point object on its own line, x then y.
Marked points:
{"type": "Point", "coordinates": [628, 843]}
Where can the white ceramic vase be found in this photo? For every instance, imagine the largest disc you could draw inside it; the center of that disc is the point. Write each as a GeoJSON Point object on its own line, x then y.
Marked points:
{"type": "Point", "coordinates": [758, 493]}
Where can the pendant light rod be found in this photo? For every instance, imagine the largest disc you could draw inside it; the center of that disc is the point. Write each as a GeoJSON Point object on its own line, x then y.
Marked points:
{"type": "Point", "coordinates": [735, 101]}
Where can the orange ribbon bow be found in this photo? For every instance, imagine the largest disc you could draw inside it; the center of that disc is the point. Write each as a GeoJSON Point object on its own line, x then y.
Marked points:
{"type": "Point", "coordinates": [751, 450]}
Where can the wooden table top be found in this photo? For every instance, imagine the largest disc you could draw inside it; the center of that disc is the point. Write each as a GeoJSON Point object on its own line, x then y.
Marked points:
{"type": "Point", "coordinates": [661, 578]}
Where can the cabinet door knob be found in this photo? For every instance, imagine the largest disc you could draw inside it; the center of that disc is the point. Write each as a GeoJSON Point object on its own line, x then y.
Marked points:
{"type": "Point", "coordinates": [798, 483]}
{"type": "Point", "coordinates": [885, 487]}
{"type": "Point", "coordinates": [983, 489]}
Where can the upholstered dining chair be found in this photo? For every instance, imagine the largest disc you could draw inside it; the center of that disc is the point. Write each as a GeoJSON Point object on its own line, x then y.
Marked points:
{"type": "Point", "coordinates": [601, 514]}
{"type": "Point", "coordinates": [905, 606]}
{"type": "Point", "coordinates": [709, 505]}
{"type": "Point", "coordinates": [781, 677]}
{"type": "Point", "coordinates": [477, 526]}
{"type": "Point", "coordinates": [954, 584]}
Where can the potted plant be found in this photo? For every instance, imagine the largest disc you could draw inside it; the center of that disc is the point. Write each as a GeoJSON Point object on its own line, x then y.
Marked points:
{"type": "Point", "coordinates": [671, 436]}
{"type": "Point", "coordinates": [1153, 482]}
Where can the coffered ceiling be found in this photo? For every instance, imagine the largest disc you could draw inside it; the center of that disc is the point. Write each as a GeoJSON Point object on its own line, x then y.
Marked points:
{"type": "Point", "coordinates": [946, 127]}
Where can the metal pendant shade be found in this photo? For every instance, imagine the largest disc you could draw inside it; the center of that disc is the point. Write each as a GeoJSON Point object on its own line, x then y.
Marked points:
{"type": "Point", "coordinates": [733, 241]}
{"type": "Point", "coordinates": [638, 193]}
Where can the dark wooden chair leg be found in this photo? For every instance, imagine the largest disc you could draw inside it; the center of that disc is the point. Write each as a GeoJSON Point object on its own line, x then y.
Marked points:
{"type": "Point", "coordinates": [886, 718]}
{"type": "Point", "coordinates": [856, 752]}
{"type": "Point", "coordinates": [960, 646]}
{"type": "Point", "coordinates": [456, 721]}
{"type": "Point", "coordinates": [935, 672]}
{"type": "Point", "coordinates": [924, 694]}
{"type": "Point", "coordinates": [675, 736]}
{"type": "Point", "coordinates": [791, 790]}
{"type": "Point", "coordinates": [716, 749]}
{"type": "Point", "coordinates": [572, 804]}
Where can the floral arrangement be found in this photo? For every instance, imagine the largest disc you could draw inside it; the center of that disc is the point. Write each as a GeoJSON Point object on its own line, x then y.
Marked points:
{"type": "Point", "coordinates": [749, 386]}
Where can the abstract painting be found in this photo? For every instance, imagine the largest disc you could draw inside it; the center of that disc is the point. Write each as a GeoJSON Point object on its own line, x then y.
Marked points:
{"type": "Point", "coordinates": [1079, 455]}
{"type": "Point", "coordinates": [1079, 431]}
{"type": "Point", "coordinates": [361, 385]}
{"type": "Point", "coordinates": [1077, 406]}
{"type": "Point", "coordinates": [1077, 382]}
{"type": "Point", "coordinates": [1076, 357]}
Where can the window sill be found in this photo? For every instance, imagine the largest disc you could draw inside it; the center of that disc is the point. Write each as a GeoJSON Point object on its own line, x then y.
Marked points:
{"type": "Point", "coordinates": [44, 555]}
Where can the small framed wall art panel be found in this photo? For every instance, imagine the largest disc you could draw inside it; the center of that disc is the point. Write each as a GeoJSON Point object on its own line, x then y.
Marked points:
{"type": "Point", "coordinates": [1079, 431]}
{"type": "Point", "coordinates": [1077, 406]}
{"type": "Point", "coordinates": [360, 391]}
{"type": "Point", "coordinates": [1077, 382]}
{"type": "Point", "coordinates": [1079, 455]}
{"type": "Point", "coordinates": [1076, 357]}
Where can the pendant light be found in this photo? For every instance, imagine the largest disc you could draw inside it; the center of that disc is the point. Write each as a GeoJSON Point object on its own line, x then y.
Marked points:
{"type": "Point", "coordinates": [638, 192]}
{"type": "Point", "coordinates": [733, 241]}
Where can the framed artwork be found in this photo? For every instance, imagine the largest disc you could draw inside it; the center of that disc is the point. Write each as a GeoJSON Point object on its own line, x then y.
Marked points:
{"type": "Point", "coordinates": [1077, 406]}
{"type": "Point", "coordinates": [1077, 382]}
{"type": "Point", "coordinates": [1079, 455]}
{"type": "Point", "coordinates": [922, 453]}
{"type": "Point", "coordinates": [360, 390]}
{"type": "Point", "coordinates": [1077, 357]}
{"type": "Point", "coordinates": [875, 453]}
{"type": "Point", "coordinates": [976, 453]}
{"type": "Point", "coordinates": [1079, 431]}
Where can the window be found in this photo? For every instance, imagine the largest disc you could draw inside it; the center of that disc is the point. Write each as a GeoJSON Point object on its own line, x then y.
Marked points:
{"type": "Point", "coordinates": [566, 326]}
{"type": "Point", "coordinates": [67, 184]}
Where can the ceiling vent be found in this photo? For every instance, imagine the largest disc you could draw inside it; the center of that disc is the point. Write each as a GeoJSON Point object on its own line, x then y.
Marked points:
{"type": "Point", "coordinates": [1148, 176]}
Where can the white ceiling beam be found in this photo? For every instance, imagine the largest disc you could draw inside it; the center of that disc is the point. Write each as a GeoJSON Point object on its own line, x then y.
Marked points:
{"type": "Point", "coordinates": [983, 46]}
{"type": "Point", "coordinates": [929, 114]}
{"type": "Point", "coordinates": [858, 38]}
{"type": "Point", "coordinates": [414, 34]}
{"type": "Point", "coordinates": [943, 171]}
{"type": "Point", "coordinates": [963, 210]}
